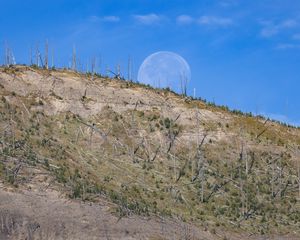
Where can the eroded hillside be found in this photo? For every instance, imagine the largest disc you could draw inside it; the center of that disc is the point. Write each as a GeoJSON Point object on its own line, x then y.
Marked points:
{"type": "Point", "coordinates": [142, 153]}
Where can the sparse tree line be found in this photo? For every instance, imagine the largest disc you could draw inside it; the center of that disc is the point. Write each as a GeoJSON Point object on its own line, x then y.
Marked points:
{"type": "Point", "coordinates": [45, 59]}
{"type": "Point", "coordinates": [94, 68]}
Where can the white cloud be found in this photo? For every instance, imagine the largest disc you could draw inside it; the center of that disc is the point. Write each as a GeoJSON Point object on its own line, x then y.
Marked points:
{"type": "Point", "coordinates": [228, 3]}
{"type": "Point", "coordinates": [93, 18]}
{"type": "Point", "coordinates": [290, 23]}
{"type": "Point", "coordinates": [271, 29]}
{"type": "Point", "coordinates": [184, 19]}
{"type": "Point", "coordinates": [111, 19]}
{"type": "Point", "coordinates": [284, 46]}
{"type": "Point", "coordinates": [268, 32]}
{"type": "Point", "coordinates": [148, 19]}
{"type": "Point", "coordinates": [296, 36]}
{"type": "Point", "coordinates": [215, 21]}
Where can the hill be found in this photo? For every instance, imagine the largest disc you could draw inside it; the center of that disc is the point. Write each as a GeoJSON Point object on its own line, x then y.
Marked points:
{"type": "Point", "coordinates": [88, 157]}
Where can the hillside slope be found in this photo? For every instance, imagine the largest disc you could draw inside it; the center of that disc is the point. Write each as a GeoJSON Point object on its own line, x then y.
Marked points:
{"type": "Point", "coordinates": [80, 142]}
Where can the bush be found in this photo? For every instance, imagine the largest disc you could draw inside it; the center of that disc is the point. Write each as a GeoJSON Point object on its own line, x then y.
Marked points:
{"type": "Point", "coordinates": [167, 123]}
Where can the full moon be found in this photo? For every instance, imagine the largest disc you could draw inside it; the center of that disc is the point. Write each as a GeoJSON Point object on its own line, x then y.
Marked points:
{"type": "Point", "coordinates": [165, 69]}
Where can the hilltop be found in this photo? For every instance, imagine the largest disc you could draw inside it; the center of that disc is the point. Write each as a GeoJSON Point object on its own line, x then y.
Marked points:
{"type": "Point", "coordinates": [88, 157]}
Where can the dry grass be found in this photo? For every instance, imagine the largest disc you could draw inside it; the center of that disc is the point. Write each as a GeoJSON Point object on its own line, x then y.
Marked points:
{"type": "Point", "coordinates": [137, 147]}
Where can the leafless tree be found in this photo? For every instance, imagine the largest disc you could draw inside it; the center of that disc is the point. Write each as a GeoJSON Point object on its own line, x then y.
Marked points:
{"type": "Point", "coordinates": [199, 160]}
{"type": "Point", "coordinates": [74, 58]}
{"type": "Point", "coordinates": [9, 58]}
{"type": "Point", "coordinates": [46, 55]}
{"type": "Point", "coordinates": [129, 70]}
{"type": "Point", "coordinates": [30, 55]}
{"type": "Point", "coordinates": [37, 55]}
{"type": "Point", "coordinates": [52, 59]}
{"type": "Point", "coordinates": [93, 65]}
{"type": "Point", "coordinates": [118, 70]}
{"type": "Point", "coordinates": [183, 83]}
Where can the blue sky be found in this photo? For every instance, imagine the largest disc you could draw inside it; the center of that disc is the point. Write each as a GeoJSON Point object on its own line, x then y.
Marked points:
{"type": "Point", "coordinates": [243, 53]}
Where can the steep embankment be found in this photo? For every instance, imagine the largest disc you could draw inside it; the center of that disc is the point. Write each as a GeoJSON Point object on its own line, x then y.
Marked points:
{"type": "Point", "coordinates": [134, 153]}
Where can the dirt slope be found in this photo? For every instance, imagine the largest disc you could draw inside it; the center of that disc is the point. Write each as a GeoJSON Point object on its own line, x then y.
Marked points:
{"type": "Point", "coordinates": [87, 157]}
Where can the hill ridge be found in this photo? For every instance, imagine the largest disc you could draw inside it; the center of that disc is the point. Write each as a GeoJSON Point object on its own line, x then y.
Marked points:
{"type": "Point", "coordinates": [148, 152]}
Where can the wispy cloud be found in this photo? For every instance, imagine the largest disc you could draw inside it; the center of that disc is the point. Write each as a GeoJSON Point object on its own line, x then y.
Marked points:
{"type": "Point", "coordinates": [93, 18]}
{"type": "Point", "coordinates": [296, 36]}
{"type": "Point", "coordinates": [112, 19]}
{"type": "Point", "coordinates": [228, 3]}
{"type": "Point", "coordinates": [149, 19]}
{"type": "Point", "coordinates": [184, 19]}
{"type": "Point", "coordinates": [271, 29]}
{"type": "Point", "coordinates": [284, 46]}
{"type": "Point", "coordinates": [215, 21]}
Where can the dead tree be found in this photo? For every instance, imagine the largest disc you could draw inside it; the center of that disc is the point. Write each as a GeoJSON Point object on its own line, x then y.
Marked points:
{"type": "Point", "coordinates": [93, 65]}
{"type": "Point", "coordinates": [118, 70]}
{"type": "Point", "coordinates": [183, 83]}
{"type": "Point", "coordinates": [264, 130]}
{"type": "Point", "coordinates": [52, 59]}
{"type": "Point", "coordinates": [74, 58]}
{"type": "Point", "coordinates": [298, 166]}
{"type": "Point", "coordinates": [172, 135]}
{"type": "Point", "coordinates": [201, 168]}
{"type": "Point", "coordinates": [299, 179]}
{"type": "Point", "coordinates": [46, 60]}
{"type": "Point", "coordinates": [30, 56]}
{"type": "Point", "coordinates": [99, 64]}
{"type": "Point", "coordinates": [241, 182]}
{"type": "Point", "coordinates": [107, 71]}
{"type": "Point", "coordinates": [9, 58]}
{"type": "Point", "coordinates": [199, 163]}
{"type": "Point", "coordinates": [116, 75]}
{"type": "Point", "coordinates": [95, 129]}
{"type": "Point", "coordinates": [37, 55]}
{"type": "Point", "coordinates": [129, 77]}
{"type": "Point", "coordinates": [273, 179]}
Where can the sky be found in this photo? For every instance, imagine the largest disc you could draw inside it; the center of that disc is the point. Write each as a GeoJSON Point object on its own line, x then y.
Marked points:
{"type": "Point", "coordinates": [244, 54]}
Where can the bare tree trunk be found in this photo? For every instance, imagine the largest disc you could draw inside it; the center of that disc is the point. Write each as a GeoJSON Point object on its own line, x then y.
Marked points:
{"type": "Point", "coordinates": [299, 180]}
{"type": "Point", "coordinates": [9, 58]}
{"type": "Point", "coordinates": [107, 71]}
{"type": "Point", "coordinates": [129, 77]}
{"type": "Point", "coordinates": [299, 177]}
{"type": "Point", "coordinates": [280, 178]}
{"type": "Point", "coordinates": [183, 82]}
{"type": "Point", "coordinates": [241, 180]}
{"type": "Point", "coordinates": [74, 58]}
{"type": "Point", "coordinates": [246, 183]}
{"type": "Point", "coordinates": [174, 166]}
{"type": "Point", "coordinates": [31, 62]}
{"type": "Point", "coordinates": [202, 179]}
{"type": "Point", "coordinates": [200, 164]}
{"type": "Point", "coordinates": [118, 71]}
{"type": "Point", "coordinates": [37, 55]}
{"type": "Point", "coordinates": [273, 178]}
{"type": "Point", "coordinates": [93, 65]}
{"type": "Point", "coordinates": [46, 55]}
{"type": "Point", "coordinates": [52, 61]}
